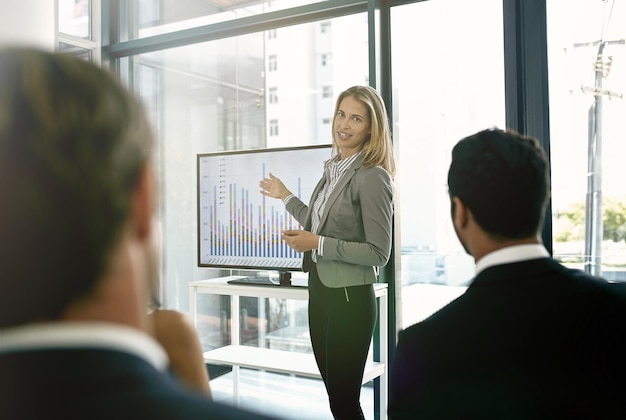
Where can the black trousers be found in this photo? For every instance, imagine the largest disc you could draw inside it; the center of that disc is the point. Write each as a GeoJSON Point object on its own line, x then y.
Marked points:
{"type": "Point", "coordinates": [341, 323]}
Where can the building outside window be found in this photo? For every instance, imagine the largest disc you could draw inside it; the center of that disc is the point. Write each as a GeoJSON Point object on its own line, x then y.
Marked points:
{"type": "Point", "coordinates": [273, 128]}
{"type": "Point", "coordinates": [273, 95]}
{"type": "Point", "coordinates": [74, 18]}
{"type": "Point", "coordinates": [272, 62]}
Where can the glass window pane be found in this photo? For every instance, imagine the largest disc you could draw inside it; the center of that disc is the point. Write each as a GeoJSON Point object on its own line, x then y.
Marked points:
{"type": "Point", "coordinates": [225, 95]}
{"type": "Point", "coordinates": [153, 17]}
{"type": "Point", "coordinates": [74, 18]}
{"type": "Point", "coordinates": [82, 53]}
{"type": "Point", "coordinates": [448, 82]}
{"type": "Point", "coordinates": [587, 81]}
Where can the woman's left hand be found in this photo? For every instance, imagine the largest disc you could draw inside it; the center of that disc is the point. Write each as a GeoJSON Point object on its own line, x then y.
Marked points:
{"type": "Point", "coordinates": [300, 240]}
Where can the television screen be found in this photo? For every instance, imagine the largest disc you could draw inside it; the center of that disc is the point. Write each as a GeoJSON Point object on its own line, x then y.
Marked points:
{"type": "Point", "coordinates": [238, 227]}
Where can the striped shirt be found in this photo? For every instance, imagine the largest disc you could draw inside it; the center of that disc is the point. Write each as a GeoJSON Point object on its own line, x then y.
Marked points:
{"type": "Point", "coordinates": [334, 169]}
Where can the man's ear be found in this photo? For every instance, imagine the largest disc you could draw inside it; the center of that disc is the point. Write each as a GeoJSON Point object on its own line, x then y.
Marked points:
{"type": "Point", "coordinates": [143, 203]}
{"type": "Point", "coordinates": [460, 213]}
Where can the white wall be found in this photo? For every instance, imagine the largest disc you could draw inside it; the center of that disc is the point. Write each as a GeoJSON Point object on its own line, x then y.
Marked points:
{"type": "Point", "coordinates": [28, 22]}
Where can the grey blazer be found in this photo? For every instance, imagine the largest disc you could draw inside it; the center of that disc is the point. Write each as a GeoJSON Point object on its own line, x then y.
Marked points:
{"type": "Point", "coordinates": [356, 224]}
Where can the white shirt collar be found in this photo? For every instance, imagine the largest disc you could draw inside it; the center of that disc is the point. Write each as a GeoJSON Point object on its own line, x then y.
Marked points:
{"type": "Point", "coordinates": [512, 254]}
{"type": "Point", "coordinates": [97, 335]}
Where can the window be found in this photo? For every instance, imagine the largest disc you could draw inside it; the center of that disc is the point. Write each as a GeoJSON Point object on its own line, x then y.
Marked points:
{"type": "Point", "coordinates": [74, 18]}
{"type": "Point", "coordinates": [327, 91]}
{"type": "Point", "coordinates": [78, 23]}
{"type": "Point", "coordinates": [435, 105]}
{"type": "Point", "coordinates": [325, 58]}
{"type": "Point", "coordinates": [82, 53]}
{"type": "Point", "coordinates": [200, 104]}
{"type": "Point", "coordinates": [272, 64]}
{"type": "Point", "coordinates": [273, 95]}
{"type": "Point", "coordinates": [271, 34]}
{"type": "Point", "coordinates": [325, 27]}
{"type": "Point", "coordinates": [587, 64]}
{"type": "Point", "coordinates": [273, 128]}
{"type": "Point", "coordinates": [155, 17]}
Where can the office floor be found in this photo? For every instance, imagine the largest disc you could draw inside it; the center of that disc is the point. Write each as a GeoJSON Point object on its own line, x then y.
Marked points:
{"type": "Point", "coordinates": [284, 396]}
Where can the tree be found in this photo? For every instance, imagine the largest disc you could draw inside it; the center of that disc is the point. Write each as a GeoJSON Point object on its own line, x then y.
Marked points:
{"type": "Point", "coordinates": [614, 219]}
{"type": "Point", "coordinates": [570, 223]}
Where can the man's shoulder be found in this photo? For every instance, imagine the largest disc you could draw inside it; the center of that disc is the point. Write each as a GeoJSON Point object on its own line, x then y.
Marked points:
{"type": "Point", "coordinates": [108, 406]}
{"type": "Point", "coordinates": [538, 269]}
{"type": "Point", "coordinates": [97, 383]}
{"type": "Point", "coordinates": [182, 405]}
{"type": "Point", "coordinates": [603, 288]}
{"type": "Point", "coordinates": [435, 322]}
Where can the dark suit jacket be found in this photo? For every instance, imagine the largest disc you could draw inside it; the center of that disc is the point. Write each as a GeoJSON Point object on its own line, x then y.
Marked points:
{"type": "Point", "coordinates": [527, 340]}
{"type": "Point", "coordinates": [97, 384]}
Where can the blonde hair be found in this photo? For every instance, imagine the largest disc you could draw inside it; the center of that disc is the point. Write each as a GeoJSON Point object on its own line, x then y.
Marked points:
{"type": "Point", "coordinates": [377, 150]}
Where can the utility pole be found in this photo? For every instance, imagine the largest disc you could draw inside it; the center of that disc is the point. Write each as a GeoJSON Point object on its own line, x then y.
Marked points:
{"type": "Point", "coordinates": [593, 202]}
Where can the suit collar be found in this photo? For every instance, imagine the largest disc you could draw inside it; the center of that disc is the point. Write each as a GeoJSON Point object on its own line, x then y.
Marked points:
{"type": "Point", "coordinates": [82, 335]}
{"type": "Point", "coordinates": [511, 254]}
{"type": "Point", "coordinates": [518, 271]}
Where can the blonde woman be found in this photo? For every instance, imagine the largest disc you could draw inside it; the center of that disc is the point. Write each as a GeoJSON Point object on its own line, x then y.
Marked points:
{"type": "Point", "coordinates": [346, 238]}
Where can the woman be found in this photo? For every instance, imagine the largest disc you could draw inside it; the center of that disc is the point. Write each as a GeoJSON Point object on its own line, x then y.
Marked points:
{"type": "Point", "coordinates": [346, 237]}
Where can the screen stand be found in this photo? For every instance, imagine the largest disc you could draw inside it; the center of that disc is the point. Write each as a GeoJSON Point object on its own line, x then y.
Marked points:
{"type": "Point", "coordinates": [284, 278]}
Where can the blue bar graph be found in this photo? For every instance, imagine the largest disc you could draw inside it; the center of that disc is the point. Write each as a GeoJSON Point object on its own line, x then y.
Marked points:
{"type": "Point", "coordinates": [237, 225]}
{"type": "Point", "coordinates": [238, 236]}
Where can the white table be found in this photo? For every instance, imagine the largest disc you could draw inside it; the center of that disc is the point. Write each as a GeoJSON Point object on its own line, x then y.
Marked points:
{"type": "Point", "coordinates": [302, 364]}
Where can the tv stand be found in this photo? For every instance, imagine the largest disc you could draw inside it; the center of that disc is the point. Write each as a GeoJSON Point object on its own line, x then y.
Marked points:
{"type": "Point", "coordinates": [284, 278]}
{"type": "Point", "coordinates": [282, 361]}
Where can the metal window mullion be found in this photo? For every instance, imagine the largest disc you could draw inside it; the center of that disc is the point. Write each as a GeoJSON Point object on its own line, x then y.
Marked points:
{"type": "Point", "coordinates": [250, 24]}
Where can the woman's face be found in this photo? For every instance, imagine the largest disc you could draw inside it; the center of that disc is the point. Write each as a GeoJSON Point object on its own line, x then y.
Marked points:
{"type": "Point", "coordinates": [351, 126]}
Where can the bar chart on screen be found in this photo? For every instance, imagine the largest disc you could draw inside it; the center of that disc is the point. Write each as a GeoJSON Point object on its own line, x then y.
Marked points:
{"type": "Point", "coordinates": [238, 226]}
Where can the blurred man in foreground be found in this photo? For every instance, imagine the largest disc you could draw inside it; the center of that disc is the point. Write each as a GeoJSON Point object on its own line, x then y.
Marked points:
{"type": "Point", "coordinates": [77, 194]}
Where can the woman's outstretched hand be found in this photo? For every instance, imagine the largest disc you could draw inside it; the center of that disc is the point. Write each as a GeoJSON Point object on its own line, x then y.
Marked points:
{"type": "Point", "coordinates": [274, 187]}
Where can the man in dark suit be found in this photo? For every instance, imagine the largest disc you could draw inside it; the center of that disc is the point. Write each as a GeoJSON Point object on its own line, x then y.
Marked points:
{"type": "Point", "coordinates": [530, 338]}
{"type": "Point", "coordinates": [77, 194]}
